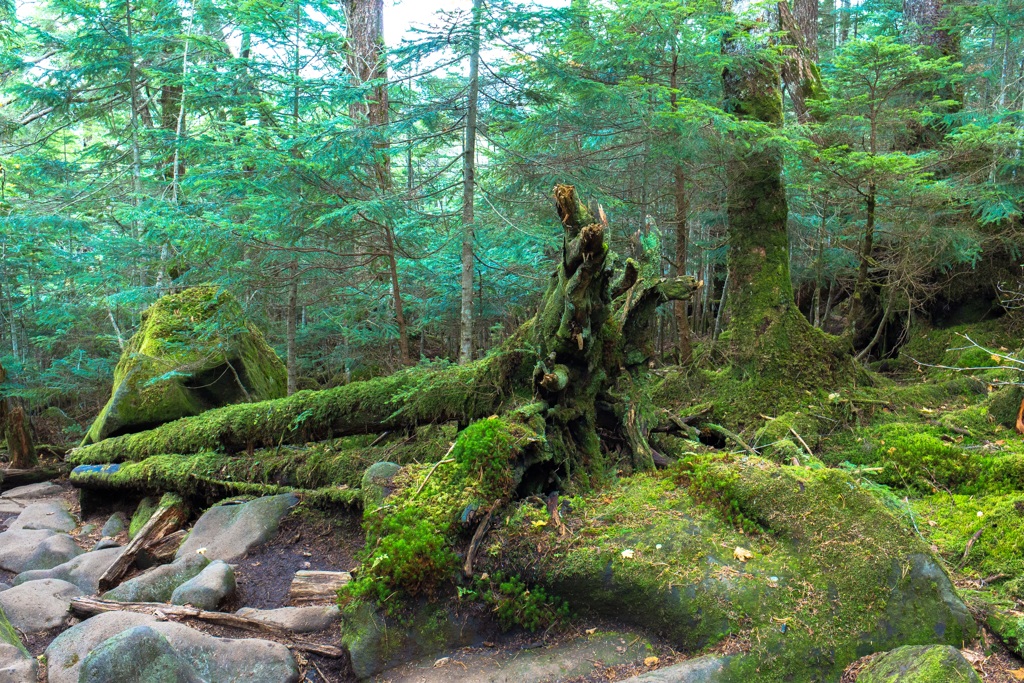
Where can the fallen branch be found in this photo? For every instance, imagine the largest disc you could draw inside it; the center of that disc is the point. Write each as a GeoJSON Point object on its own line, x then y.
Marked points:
{"type": "Point", "coordinates": [802, 442]}
{"type": "Point", "coordinates": [437, 464]}
{"type": "Point", "coordinates": [478, 538]}
{"type": "Point", "coordinates": [88, 607]}
{"type": "Point", "coordinates": [13, 478]}
{"type": "Point", "coordinates": [970, 544]}
{"type": "Point", "coordinates": [732, 436]}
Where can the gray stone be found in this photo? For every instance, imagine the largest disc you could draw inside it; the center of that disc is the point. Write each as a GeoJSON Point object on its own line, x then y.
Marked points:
{"type": "Point", "coordinates": [10, 507]}
{"type": "Point", "coordinates": [65, 654]}
{"type": "Point", "coordinates": [295, 619]}
{"type": "Point", "coordinates": [84, 571]}
{"type": "Point", "coordinates": [228, 532]}
{"type": "Point", "coordinates": [106, 544]}
{"type": "Point", "coordinates": [138, 654]}
{"type": "Point", "coordinates": [25, 549]}
{"type": "Point", "coordinates": [376, 483]}
{"type": "Point", "coordinates": [4, 586]}
{"type": "Point", "coordinates": [117, 523]}
{"type": "Point", "coordinates": [585, 657]}
{"type": "Point", "coordinates": [708, 669]}
{"type": "Point", "coordinates": [214, 659]}
{"type": "Point", "coordinates": [919, 664]}
{"type": "Point", "coordinates": [38, 605]}
{"type": "Point", "coordinates": [208, 588]}
{"type": "Point", "coordinates": [158, 584]}
{"type": "Point", "coordinates": [46, 489]}
{"type": "Point", "coordinates": [50, 515]}
{"type": "Point", "coordinates": [16, 666]}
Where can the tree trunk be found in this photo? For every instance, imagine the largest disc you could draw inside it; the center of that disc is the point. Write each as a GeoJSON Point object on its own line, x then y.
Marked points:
{"type": "Point", "coordinates": [292, 314]}
{"type": "Point", "coordinates": [682, 211]}
{"type": "Point", "coordinates": [769, 337]}
{"type": "Point", "coordinates": [800, 69]}
{"type": "Point", "coordinates": [367, 64]}
{"type": "Point", "coordinates": [19, 439]}
{"type": "Point", "coordinates": [864, 304]}
{"type": "Point", "coordinates": [468, 189]}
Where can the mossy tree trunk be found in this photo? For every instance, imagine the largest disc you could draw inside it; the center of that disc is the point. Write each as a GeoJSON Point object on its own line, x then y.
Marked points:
{"type": "Point", "coordinates": [768, 334]}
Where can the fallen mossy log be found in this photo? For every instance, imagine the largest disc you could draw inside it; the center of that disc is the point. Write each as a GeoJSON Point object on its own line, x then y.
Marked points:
{"type": "Point", "coordinates": [404, 400]}
{"type": "Point", "coordinates": [207, 477]}
{"type": "Point", "coordinates": [88, 607]}
{"type": "Point", "coordinates": [13, 478]}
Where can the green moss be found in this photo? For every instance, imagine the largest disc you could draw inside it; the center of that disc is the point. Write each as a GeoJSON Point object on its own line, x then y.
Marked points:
{"type": "Point", "coordinates": [145, 510]}
{"type": "Point", "coordinates": [411, 536]}
{"type": "Point", "coordinates": [950, 522]}
{"type": "Point", "coordinates": [920, 664]}
{"type": "Point", "coordinates": [833, 574]}
{"type": "Point", "coordinates": [915, 457]}
{"type": "Point", "coordinates": [9, 635]}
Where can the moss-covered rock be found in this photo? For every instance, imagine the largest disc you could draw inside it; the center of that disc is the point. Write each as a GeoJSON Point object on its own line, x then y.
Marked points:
{"type": "Point", "coordinates": [832, 575]}
{"type": "Point", "coordinates": [920, 664]}
{"type": "Point", "coordinates": [193, 351]}
{"type": "Point", "coordinates": [376, 641]}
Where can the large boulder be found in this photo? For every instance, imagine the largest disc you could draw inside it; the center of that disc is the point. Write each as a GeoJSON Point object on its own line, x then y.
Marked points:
{"type": "Point", "coordinates": [38, 605]}
{"type": "Point", "coordinates": [50, 515]}
{"type": "Point", "coordinates": [213, 659]}
{"type": "Point", "coordinates": [25, 549]}
{"type": "Point", "coordinates": [84, 570]}
{"type": "Point", "coordinates": [194, 350]}
{"type": "Point", "coordinates": [228, 532]}
{"type": "Point", "coordinates": [138, 654]}
{"type": "Point", "coordinates": [920, 664]}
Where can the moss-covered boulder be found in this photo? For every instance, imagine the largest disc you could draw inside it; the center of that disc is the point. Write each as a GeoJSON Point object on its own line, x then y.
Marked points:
{"type": "Point", "coordinates": [194, 350]}
{"type": "Point", "coordinates": [920, 664]}
{"type": "Point", "coordinates": [807, 568]}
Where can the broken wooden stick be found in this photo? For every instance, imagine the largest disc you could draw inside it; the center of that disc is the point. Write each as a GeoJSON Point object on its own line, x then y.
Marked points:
{"type": "Point", "coordinates": [166, 519]}
{"type": "Point", "coordinates": [478, 537]}
{"type": "Point", "coordinates": [88, 607]}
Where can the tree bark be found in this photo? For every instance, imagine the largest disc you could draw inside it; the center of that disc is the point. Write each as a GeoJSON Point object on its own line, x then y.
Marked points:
{"type": "Point", "coordinates": [769, 337]}
{"type": "Point", "coordinates": [468, 189]}
{"type": "Point", "coordinates": [292, 314]}
{"type": "Point", "coordinates": [19, 439]}
{"type": "Point", "coordinates": [682, 211]}
{"type": "Point", "coordinates": [367, 64]}
{"type": "Point", "coordinates": [800, 69]}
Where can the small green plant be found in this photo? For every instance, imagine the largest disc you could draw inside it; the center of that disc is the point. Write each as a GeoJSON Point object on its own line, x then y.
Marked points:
{"type": "Point", "coordinates": [515, 604]}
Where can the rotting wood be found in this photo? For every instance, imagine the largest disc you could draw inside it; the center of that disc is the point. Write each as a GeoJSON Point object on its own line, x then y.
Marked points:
{"type": "Point", "coordinates": [14, 477]}
{"type": "Point", "coordinates": [732, 436]}
{"type": "Point", "coordinates": [164, 549]}
{"type": "Point", "coordinates": [478, 537]}
{"type": "Point", "coordinates": [316, 586]}
{"type": "Point", "coordinates": [165, 520]}
{"type": "Point", "coordinates": [88, 607]}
